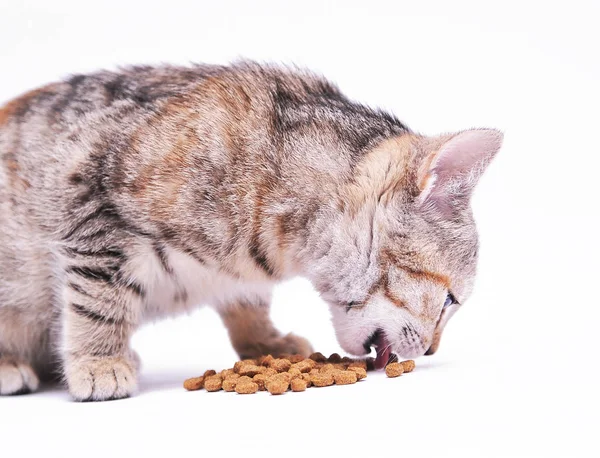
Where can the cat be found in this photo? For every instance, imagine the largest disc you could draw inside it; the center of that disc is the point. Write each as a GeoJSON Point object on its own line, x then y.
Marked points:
{"type": "Point", "coordinates": [130, 195]}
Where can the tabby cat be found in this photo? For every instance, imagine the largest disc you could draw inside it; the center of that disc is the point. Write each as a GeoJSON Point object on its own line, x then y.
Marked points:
{"type": "Point", "coordinates": [127, 196]}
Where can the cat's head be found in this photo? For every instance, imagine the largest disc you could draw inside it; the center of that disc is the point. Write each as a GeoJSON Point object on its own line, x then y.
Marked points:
{"type": "Point", "coordinates": [402, 245]}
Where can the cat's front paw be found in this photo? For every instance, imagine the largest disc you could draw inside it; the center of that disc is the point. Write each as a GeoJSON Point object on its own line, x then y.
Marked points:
{"type": "Point", "coordinates": [100, 378]}
{"type": "Point", "coordinates": [16, 377]}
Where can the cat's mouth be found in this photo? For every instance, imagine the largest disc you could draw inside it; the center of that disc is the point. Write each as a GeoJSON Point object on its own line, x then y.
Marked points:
{"type": "Point", "coordinates": [382, 347]}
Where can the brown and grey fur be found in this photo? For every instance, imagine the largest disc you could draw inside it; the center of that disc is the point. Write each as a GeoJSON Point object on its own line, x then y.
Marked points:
{"type": "Point", "coordinates": [126, 196]}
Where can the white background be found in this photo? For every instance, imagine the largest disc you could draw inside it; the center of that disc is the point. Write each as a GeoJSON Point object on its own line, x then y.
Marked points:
{"type": "Point", "coordinates": [516, 372]}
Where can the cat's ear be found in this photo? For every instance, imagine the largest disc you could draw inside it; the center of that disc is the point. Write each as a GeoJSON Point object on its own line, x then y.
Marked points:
{"type": "Point", "coordinates": [447, 176]}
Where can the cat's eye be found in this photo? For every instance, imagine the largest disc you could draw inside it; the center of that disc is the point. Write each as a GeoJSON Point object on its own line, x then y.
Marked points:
{"type": "Point", "coordinates": [450, 300]}
{"type": "Point", "coordinates": [353, 304]}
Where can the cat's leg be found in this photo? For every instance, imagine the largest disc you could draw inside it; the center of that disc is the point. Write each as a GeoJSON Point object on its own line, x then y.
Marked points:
{"type": "Point", "coordinates": [25, 344]}
{"type": "Point", "coordinates": [16, 376]}
{"type": "Point", "coordinates": [253, 334]}
{"type": "Point", "coordinates": [101, 307]}
{"type": "Point", "coordinates": [25, 356]}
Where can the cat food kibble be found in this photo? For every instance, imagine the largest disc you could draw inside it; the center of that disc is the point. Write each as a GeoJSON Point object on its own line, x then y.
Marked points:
{"type": "Point", "coordinates": [345, 377]}
{"type": "Point", "coordinates": [298, 384]}
{"type": "Point", "coordinates": [305, 366]}
{"type": "Point", "coordinates": [318, 357]}
{"type": "Point", "coordinates": [281, 365]}
{"type": "Point", "coordinates": [269, 371]}
{"type": "Point", "coordinates": [278, 375]}
{"type": "Point", "coordinates": [260, 380]}
{"type": "Point", "coordinates": [250, 370]}
{"type": "Point", "coordinates": [213, 383]}
{"type": "Point", "coordinates": [225, 374]}
{"type": "Point", "coordinates": [306, 378]}
{"type": "Point", "coordinates": [277, 385]}
{"type": "Point", "coordinates": [327, 368]}
{"type": "Point", "coordinates": [295, 358]}
{"type": "Point", "coordinates": [359, 371]}
{"type": "Point", "coordinates": [193, 384]}
{"type": "Point", "coordinates": [322, 379]}
{"type": "Point", "coordinates": [265, 360]}
{"type": "Point", "coordinates": [246, 387]}
{"type": "Point", "coordinates": [334, 358]}
{"type": "Point", "coordinates": [408, 365]}
{"type": "Point", "coordinates": [294, 371]}
{"type": "Point", "coordinates": [229, 384]}
{"type": "Point", "coordinates": [394, 370]}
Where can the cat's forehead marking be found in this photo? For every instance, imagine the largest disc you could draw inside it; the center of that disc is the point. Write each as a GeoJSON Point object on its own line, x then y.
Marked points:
{"type": "Point", "coordinates": [443, 280]}
{"type": "Point", "coordinates": [414, 272]}
{"type": "Point", "coordinates": [389, 295]}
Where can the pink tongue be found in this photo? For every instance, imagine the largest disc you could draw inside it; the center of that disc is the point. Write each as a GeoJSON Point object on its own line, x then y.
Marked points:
{"type": "Point", "coordinates": [384, 350]}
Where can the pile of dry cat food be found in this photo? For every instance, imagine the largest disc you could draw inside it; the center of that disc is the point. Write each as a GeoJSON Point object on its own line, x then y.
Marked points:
{"type": "Point", "coordinates": [278, 375]}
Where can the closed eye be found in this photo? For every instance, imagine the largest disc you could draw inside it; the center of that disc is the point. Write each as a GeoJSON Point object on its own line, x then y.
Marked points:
{"type": "Point", "coordinates": [353, 304]}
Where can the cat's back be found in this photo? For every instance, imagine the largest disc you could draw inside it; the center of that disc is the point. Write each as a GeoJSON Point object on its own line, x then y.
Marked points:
{"type": "Point", "coordinates": [84, 106]}
{"type": "Point", "coordinates": [69, 105]}
{"type": "Point", "coordinates": [114, 126]}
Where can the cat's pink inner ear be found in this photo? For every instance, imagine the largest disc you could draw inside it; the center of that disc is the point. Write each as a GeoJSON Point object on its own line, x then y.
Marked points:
{"type": "Point", "coordinates": [454, 169]}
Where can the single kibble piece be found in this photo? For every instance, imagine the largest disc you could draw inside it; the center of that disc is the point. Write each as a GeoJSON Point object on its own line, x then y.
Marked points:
{"type": "Point", "coordinates": [360, 364]}
{"type": "Point", "coordinates": [226, 373]}
{"type": "Point", "coordinates": [250, 370]}
{"type": "Point", "coordinates": [213, 383]}
{"type": "Point", "coordinates": [209, 373]}
{"type": "Point", "coordinates": [347, 360]}
{"type": "Point", "coordinates": [265, 360]}
{"type": "Point", "coordinates": [408, 365]}
{"type": "Point", "coordinates": [229, 384]}
{"type": "Point", "coordinates": [232, 376]}
{"type": "Point", "coordinates": [334, 358]}
{"type": "Point", "coordinates": [299, 384]}
{"type": "Point", "coordinates": [360, 372]}
{"type": "Point", "coordinates": [246, 388]}
{"type": "Point", "coordinates": [260, 380]}
{"type": "Point", "coordinates": [314, 371]}
{"type": "Point", "coordinates": [318, 357]}
{"type": "Point", "coordinates": [345, 378]}
{"type": "Point", "coordinates": [238, 365]}
{"type": "Point", "coordinates": [281, 365]}
{"type": "Point", "coordinates": [277, 385]}
{"type": "Point", "coordinates": [244, 379]}
{"type": "Point", "coordinates": [193, 384]}
{"type": "Point", "coordinates": [322, 379]}
{"type": "Point", "coordinates": [296, 358]}
{"type": "Point", "coordinates": [394, 370]}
